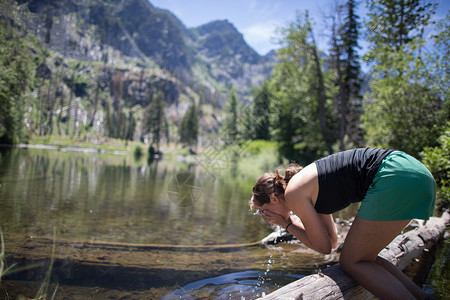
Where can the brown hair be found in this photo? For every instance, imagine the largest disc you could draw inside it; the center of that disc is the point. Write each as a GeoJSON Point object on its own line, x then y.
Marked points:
{"type": "Point", "coordinates": [272, 183]}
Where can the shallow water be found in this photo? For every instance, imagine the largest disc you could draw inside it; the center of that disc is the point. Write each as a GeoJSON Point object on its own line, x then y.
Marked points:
{"type": "Point", "coordinates": [113, 198]}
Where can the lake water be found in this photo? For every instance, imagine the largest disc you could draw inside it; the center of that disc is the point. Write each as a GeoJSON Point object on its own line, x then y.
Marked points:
{"type": "Point", "coordinates": [131, 228]}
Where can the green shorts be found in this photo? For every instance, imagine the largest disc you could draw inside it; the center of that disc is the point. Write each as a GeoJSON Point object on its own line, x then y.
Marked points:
{"type": "Point", "coordinates": [402, 189]}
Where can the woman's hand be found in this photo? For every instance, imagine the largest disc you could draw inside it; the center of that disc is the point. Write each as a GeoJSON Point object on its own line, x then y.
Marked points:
{"type": "Point", "coordinates": [274, 218]}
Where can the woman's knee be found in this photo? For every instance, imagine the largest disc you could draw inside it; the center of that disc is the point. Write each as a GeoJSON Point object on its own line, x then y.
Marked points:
{"type": "Point", "coordinates": [349, 260]}
{"type": "Point", "coordinates": [382, 262]}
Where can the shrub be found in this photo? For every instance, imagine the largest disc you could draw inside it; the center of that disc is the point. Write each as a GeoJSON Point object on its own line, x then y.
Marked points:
{"type": "Point", "coordinates": [437, 160]}
{"type": "Point", "coordinates": [138, 151]}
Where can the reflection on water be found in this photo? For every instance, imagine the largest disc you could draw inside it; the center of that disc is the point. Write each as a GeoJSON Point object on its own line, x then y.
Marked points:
{"type": "Point", "coordinates": [110, 198]}
{"type": "Point", "coordinates": [116, 219]}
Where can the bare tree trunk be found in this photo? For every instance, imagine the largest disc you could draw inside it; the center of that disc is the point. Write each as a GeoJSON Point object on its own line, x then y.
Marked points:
{"type": "Point", "coordinates": [94, 113]}
{"type": "Point", "coordinates": [321, 96]}
{"type": "Point", "coordinates": [53, 104]}
{"type": "Point", "coordinates": [69, 113]}
{"type": "Point", "coordinates": [39, 110]}
{"type": "Point", "coordinates": [342, 99]}
{"type": "Point", "coordinates": [46, 109]}
{"type": "Point", "coordinates": [61, 106]}
{"type": "Point", "coordinates": [75, 121]}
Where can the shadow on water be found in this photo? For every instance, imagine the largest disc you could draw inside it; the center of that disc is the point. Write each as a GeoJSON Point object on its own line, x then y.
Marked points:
{"type": "Point", "coordinates": [153, 271]}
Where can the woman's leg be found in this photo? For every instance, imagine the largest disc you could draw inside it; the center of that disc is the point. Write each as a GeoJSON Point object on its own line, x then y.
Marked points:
{"type": "Point", "coordinates": [408, 283]}
{"type": "Point", "coordinates": [359, 255]}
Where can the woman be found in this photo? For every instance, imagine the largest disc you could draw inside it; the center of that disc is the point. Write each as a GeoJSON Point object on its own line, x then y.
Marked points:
{"type": "Point", "coordinates": [393, 187]}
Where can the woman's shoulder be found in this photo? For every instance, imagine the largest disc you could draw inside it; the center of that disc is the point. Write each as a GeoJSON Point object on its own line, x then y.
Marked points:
{"type": "Point", "coordinates": [304, 182]}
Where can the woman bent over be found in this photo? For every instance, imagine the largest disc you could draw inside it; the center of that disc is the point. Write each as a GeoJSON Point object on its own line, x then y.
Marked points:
{"type": "Point", "coordinates": [393, 187]}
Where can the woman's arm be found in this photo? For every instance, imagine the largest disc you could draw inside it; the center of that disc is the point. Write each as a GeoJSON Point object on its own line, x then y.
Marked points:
{"type": "Point", "coordinates": [322, 236]}
{"type": "Point", "coordinates": [317, 230]}
{"type": "Point", "coordinates": [328, 221]}
{"type": "Point", "coordinates": [313, 231]}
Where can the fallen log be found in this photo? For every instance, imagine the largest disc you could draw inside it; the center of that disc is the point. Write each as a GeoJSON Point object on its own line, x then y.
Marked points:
{"type": "Point", "coordinates": [334, 283]}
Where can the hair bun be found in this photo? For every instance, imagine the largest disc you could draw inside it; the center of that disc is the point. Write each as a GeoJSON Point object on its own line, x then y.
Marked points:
{"type": "Point", "coordinates": [279, 180]}
{"type": "Point", "coordinates": [290, 171]}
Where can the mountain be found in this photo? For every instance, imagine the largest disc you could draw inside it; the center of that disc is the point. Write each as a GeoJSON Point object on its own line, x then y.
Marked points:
{"type": "Point", "coordinates": [214, 55]}
{"type": "Point", "coordinates": [230, 59]}
{"type": "Point", "coordinates": [221, 40]}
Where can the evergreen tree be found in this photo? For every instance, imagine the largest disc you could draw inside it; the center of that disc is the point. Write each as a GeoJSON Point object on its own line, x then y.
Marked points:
{"type": "Point", "coordinates": [231, 118]}
{"type": "Point", "coordinates": [15, 77]}
{"type": "Point", "coordinates": [155, 119]}
{"type": "Point", "coordinates": [346, 61]}
{"type": "Point", "coordinates": [189, 126]}
{"type": "Point", "coordinates": [403, 109]}
{"type": "Point", "coordinates": [261, 109]}
{"type": "Point", "coordinates": [247, 122]}
{"type": "Point", "coordinates": [393, 24]}
{"type": "Point", "coordinates": [438, 65]}
{"type": "Point", "coordinates": [350, 35]}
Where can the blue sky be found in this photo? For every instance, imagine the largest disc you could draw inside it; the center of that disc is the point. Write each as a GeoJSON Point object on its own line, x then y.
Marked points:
{"type": "Point", "coordinates": [258, 20]}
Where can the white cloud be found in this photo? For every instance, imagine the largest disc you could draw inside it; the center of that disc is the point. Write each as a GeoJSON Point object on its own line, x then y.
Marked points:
{"type": "Point", "coordinates": [262, 36]}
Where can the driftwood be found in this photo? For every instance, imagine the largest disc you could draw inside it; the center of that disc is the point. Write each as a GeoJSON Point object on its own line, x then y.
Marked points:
{"type": "Point", "coordinates": [334, 283]}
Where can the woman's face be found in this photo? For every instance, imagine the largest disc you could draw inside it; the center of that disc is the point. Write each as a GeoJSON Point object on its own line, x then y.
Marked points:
{"type": "Point", "coordinates": [276, 205]}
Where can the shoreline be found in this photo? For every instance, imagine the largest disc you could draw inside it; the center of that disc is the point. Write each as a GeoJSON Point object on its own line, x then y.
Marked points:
{"type": "Point", "coordinates": [66, 148]}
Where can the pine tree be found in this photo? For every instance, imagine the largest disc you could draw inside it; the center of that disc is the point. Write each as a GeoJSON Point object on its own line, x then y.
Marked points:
{"type": "Point", "coordinates": [346, 62]}
{"type": "Point", "coordinates": [189, 126]}
{"type": "Point", "coordinates": [231, 118]}
{"type": "Point", "coordinates": [261, 109]}
{"type": "Point", "coordinates": [403, 110]}
{"type": "Point", "coordinates": [15, 77]}
{"type": "Point", "coordinates": [155, 119]}
{"type": "Point", "coordinates": [393, 24]}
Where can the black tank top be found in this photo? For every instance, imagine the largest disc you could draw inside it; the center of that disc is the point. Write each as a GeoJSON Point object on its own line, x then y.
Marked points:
{"type": "Point", "coordinates": [346, 176]}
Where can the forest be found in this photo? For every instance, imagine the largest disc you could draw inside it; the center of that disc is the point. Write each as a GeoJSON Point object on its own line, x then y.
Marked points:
{"type": "Point", "coordinates": [314, 101]}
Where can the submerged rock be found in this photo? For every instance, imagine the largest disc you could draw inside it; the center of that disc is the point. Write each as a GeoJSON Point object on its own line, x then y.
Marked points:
{"type": "Point", "coordinates": [279, 234]}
